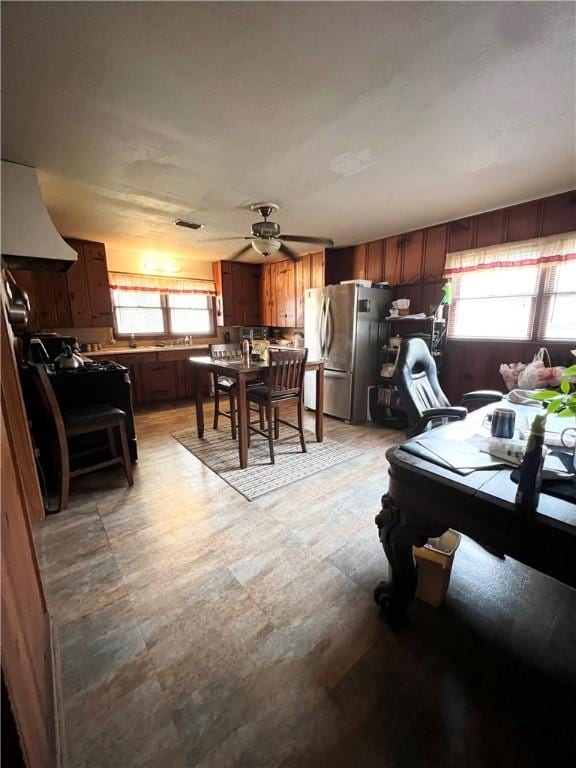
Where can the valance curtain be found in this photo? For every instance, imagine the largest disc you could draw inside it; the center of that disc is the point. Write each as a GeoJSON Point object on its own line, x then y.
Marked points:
{"type": "Point", "coordinates": [555, 249]}
{"type": "Point", "coordinates": [162, 284]}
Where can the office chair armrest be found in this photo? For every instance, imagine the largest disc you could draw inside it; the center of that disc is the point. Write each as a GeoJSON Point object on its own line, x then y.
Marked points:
{"type": "Point", "coordinates": [452, 413]}
{"type": "Point", "coordinates": [481, 397]}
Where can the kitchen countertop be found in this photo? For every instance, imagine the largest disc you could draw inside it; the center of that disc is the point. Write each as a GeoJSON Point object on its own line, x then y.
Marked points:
{"type": "Point", "coordinates": [118, 350]}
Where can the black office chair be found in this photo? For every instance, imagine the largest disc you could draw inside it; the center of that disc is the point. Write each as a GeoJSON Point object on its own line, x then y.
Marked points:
{"type": "Point", "coordinates": [426, 405]}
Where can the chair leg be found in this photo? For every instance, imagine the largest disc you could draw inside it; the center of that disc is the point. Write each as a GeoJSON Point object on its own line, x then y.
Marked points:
{"type": "Point", "coordinates": [261, 411]}
{"type": "Point", "coordinates": [112, 442]}
{"type": "Point", "coordinates": [64, 486]}
{"type": "Point", "coordinates": [233, 414]}
{"type": "Point", "coordinates": [277, 423]}
{"type": "Point", "coordinates": [216, 401]}
{"type": "Point", "coordinates": [127, 461]}
{"type": "Point", "coordinates": [270, 431]}
{"type": "Point", "coordinates": [300, 427]}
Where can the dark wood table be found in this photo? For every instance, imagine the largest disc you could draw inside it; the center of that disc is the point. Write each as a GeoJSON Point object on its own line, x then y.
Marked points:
{"type": "Point", "coordinates": [234, 369]}
{"type": "Point", "coordinates": [425, 499]}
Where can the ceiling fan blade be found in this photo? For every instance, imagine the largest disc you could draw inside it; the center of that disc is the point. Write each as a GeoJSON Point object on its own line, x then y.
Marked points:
{"type": "Point", "coordinates": [222, 239]}
{"type": "Point", "coordinates": [289, 252]}
{"type": "Point", "coordinates": [239, 253]}
{"type": "Point", "coordinates": [303, 239]}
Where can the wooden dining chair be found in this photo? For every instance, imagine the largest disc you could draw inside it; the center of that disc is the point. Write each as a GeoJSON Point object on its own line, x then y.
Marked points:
{"type": "Point", "coordinates": [227, 385]}
{"type": "Point", "coordinates": [81, 421]}
{"type": "Point", "coordinates": [284, 384]}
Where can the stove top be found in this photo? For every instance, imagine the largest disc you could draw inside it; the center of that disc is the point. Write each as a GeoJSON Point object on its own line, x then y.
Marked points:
{"type": "Point", "coordinates": [100, 366]}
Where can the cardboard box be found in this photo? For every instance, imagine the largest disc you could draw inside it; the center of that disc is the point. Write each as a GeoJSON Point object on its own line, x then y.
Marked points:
{"type": "Point", "coordinates": [434, 564]}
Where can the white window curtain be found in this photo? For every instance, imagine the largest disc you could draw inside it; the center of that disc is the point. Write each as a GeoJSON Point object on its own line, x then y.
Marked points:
{"type": "Point", "coordinates": [553, 250]}
{"type": "Point", "coordinates": [127, 282]}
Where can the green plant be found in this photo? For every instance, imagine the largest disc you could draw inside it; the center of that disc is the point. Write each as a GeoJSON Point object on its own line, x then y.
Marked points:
{"type": "Point", "coordinates": [561, 402]}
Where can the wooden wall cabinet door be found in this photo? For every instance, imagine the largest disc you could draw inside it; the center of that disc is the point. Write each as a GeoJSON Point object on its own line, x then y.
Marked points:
{"type": "Point", "coordinates": [94, 256]}
{"type": "Point", "coordinates": [160, 381]}
{"type": "Point", "coordinates": [252, 312]}
{"type": "Point", "coordinates": [266, 294]}
{"type": "Point", "coordinates": [460, 235]}
{"type": "Point", "coordinates": [317, 270]}
{"type": "Point", "coordinates": [374, 262]}
{"type": "Point", "coordinates": [301, 272]}
{"type": "Point", "coordinates": [224, 292]}
{"type": "Point", "coordinates": [48, 295]}
{"type": "Point", "coordinates": [523, 221]}
{"type": "Point", "coordinates": [411, 260]}
{"type": "Point", "coordinates": [434, 253]}
{"type": "Point", "coordinates": [392, 260]}
{"type": "Point", "coordinates": [490, 229]}
{"type": "Point", "coordinates": [559, 214]}
{"type": "Point", "coordinates": [359, 262]}
{"type": "Point", "coordinates": [284, 292]}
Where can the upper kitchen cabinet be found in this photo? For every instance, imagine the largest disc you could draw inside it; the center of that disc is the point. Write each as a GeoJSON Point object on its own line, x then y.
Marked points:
{"type": "Point", "coordinates": [460, 235]}
{"type": "Point", "coordinates": [524, 221]}
{"type": "Point", "coordinates": [88, 286]}
{"type": "Point", "coordinates": [559, 214]}
{"type": "Point", "coordinates": [283, 274]}
{"type": "Point", "coordinates": [434, 253]}
{"type": "Point", "coordinates": [309, 273]}
{"type": "Point", "coordinates": [78, 298]}
{"type": "Point", "coordinates": [238, 293]}
{"type": "Point", "coordinates": [412, 246]}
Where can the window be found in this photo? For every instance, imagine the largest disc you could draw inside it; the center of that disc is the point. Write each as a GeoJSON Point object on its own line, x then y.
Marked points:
{"type": "Point", "coordinates": [558, 316]}
{"type": "Point", "coordinates": [524, 291]}
{"type": "Point", "coordinates": [147, 306]}
{"type": "Point", "coordinates": [137, 312]}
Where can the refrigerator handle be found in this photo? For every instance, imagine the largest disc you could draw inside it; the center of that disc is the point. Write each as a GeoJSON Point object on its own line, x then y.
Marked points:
{"type": "Point", "coordinates": [329, 328]}
{"type": "Point", "coordinates": [322, 329]}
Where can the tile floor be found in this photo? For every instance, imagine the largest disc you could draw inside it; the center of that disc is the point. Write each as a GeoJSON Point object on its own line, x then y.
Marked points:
{"type": "Point", "coordinates": [199, 629]}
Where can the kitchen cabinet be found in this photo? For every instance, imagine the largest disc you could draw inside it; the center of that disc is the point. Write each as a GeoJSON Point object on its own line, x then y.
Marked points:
{"type": "Point", "coordinates": [524, 221]}
{"type": "Point", "coordinates": [78, 298]}
{"type": "Point", "coordinates": [392, 261]}
{"type": "Point", "coordinates": [359, 262]}
{"type": "Point", "coordinates": [490, 229]}
{"type": "Point", "coordinates": [460, 235]}
{"type": "Point", "coordinates": [374, 267]}
{"type": "Point", "coordinates": [434, 253]}
{"type": "Point", "coordinates": [266, 294]}
{"type": "Point", "coordinates": [284, 294]}
{"type": "Point", "coordinates": [88, 286]}
{"type": "Point", "coordinates": [309, 273]}
{"type": "Point", "coordinates": [559, 214]}
{"type": "Point", "coordinates": [238, 293]}
{"type": "Point", "coordinates": [412, 246]}
{"type": "Point", "coordinates": [158, 376]}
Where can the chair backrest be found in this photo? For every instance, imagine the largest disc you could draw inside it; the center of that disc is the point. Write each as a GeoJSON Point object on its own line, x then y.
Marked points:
{"type": "Point", "coordinates": [416, 378]}
{"type": "Point", "coordinates": [51, 408]}
{"type": "Point", "coordinates": [226, 351]}
{"type": "Point", "coordinates": [285, 373]}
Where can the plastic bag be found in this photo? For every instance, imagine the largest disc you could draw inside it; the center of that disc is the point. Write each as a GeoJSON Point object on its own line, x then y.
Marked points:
{"type": "Point", "coordinates": [510, 374]}
{"type": "Point", "coordinates": [537, 375]}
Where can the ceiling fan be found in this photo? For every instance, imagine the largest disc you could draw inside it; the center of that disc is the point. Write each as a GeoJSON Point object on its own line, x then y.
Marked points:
{"type": "Point", "coordinates": [266, 237]}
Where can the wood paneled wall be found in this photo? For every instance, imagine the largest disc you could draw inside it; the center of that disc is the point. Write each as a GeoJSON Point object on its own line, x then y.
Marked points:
{"type": "Point", "coordinates": [26, 638]}
{"type": "Point", "coordinates": [413, 263]}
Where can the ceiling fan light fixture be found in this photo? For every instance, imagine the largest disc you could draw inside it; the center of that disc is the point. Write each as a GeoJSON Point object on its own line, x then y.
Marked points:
{"type": "Point", "coordinates": [266, 246]}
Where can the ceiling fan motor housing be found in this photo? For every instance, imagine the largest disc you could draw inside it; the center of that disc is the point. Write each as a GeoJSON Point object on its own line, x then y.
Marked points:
{"type": "Point", "coordinates": [265, 229]}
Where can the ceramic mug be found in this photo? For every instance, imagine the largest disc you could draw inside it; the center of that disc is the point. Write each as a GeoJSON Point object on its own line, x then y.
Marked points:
{"type": "Point", "coordinates": [502, 422]}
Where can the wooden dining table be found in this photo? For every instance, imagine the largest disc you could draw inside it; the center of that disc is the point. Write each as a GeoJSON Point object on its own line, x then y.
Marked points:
{"type": "Point", "coordinates": [235, 369]}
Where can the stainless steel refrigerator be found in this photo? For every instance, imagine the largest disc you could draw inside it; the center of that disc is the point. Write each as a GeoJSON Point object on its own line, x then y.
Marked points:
{"type": "Point", "coordinates": [343, 326]}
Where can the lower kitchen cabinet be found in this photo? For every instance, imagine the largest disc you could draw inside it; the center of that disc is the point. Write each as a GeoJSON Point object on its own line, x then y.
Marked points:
{"type": "Point", "coordinates": [160, 376]}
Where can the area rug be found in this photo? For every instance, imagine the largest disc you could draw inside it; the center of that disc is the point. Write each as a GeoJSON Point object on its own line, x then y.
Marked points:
{"type": "Point", "coordinates": [219, 452]}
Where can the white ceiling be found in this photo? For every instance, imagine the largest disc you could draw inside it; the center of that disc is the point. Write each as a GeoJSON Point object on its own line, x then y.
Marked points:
{"type": "Point", "coordinates": [359, 119]}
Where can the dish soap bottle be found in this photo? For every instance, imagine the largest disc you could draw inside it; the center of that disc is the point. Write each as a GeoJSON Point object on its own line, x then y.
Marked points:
{"type": "Point", "coordinates": [132, 341]}
{"type": "Point", "coordinates": [529, 474]}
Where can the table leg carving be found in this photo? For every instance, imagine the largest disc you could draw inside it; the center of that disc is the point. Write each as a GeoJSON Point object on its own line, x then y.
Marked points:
{"type": "Point", "coordinates": [398, 535]}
